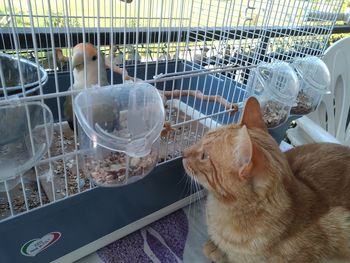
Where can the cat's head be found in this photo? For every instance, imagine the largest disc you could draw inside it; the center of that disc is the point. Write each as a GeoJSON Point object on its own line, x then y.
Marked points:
{"type": "Point", "coordinates": [238, 160]}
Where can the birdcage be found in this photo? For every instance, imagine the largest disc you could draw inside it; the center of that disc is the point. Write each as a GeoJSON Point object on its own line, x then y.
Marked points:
{"type": "Point", "coordinates": [197, 53]}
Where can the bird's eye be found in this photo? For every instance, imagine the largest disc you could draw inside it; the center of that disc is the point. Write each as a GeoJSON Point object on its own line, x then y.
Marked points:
{"type": "Point", "coordinates": [204, 156]}
{"type": "Point", "coordinates": [94, 57]}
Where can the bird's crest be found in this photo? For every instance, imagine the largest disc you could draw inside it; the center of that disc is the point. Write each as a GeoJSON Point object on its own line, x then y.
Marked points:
{"type": "Point", "coordinates": [89, 49]}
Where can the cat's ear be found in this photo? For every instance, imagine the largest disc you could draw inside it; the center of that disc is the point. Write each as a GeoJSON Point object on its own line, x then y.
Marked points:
{"type": "Point", "coordinates": [244, 153]}
{"type": "Point", "coordinates": [252, 116]}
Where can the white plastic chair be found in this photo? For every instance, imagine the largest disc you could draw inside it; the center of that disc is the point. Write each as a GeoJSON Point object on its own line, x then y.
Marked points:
{"type": "Point", "coordinates": [330, 121]}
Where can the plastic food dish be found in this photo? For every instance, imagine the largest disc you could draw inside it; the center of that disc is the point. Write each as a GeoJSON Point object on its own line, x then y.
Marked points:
{"type": "Point", "coordinates": [314, 81]}
{"type": "Point", "coordinates": [11, 79]}
{"type": "Point", "coordinates": [27, 130]}
{"type": "Point", "coordinates": [119, 129]}
{"type": "Point", "coordinates": [276, 87]}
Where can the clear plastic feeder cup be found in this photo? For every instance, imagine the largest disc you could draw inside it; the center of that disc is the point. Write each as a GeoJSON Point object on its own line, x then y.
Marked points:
{"type": "Point", "coordinates": [276, 86]}
{"type": "Point", "coordinates": [26, 135]}
{"type": "Point", "coordinates": [314, 79]}
{"type": "Point", "coordinates": [119, 130]}
{"type": "Point", "coordinates": [13, 71]}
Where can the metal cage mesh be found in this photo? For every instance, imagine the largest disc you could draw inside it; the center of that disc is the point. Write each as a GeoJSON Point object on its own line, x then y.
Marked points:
{"type": "Point", "coordinates": [205, 45]}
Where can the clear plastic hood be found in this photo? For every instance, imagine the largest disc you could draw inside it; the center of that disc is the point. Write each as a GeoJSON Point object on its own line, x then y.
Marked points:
{"type": "Point", "coordinates": [313, 71]}
{"type": "Point", "coordinates": [126, 117]}
{"type": "Point", "coordinates": [279, 80]}
{"type": "Point", "coordinates": [276, 86]}
{"type": "Point", "coordinates": [314, 79]}
{"type": "Point", "coordinates": [27, 130]}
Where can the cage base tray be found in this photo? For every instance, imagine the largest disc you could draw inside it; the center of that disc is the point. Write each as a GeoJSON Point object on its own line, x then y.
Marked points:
{"type": "Point", "coordinates": [95, 218]}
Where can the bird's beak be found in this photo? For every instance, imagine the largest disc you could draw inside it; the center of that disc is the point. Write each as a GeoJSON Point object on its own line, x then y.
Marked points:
{"type": "Point", "coordinates": [78, 60]}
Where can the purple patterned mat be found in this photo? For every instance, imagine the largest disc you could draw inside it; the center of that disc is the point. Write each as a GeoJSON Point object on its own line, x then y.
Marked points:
{"type": "Point", "coordinates": [162, 242]}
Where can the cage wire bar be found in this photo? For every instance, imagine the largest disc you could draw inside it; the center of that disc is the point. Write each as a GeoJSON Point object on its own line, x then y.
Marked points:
{"type": "Point", "coordinates": [225, 36]}
{"type": "Point", "coordinates": [203, 45]}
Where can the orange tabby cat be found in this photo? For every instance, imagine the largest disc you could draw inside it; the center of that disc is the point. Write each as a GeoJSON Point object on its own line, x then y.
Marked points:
{"type": "Point", "coordinates": [266, 206]}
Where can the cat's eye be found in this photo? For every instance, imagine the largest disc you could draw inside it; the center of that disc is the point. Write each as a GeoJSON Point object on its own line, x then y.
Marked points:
{"type": "Point", "coordinates": [94, 57]}
{"type": "Point", "coordinates": [204, 156]}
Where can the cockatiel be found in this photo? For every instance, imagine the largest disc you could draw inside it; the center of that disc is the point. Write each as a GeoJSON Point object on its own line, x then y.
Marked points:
{"type": "Point", "coordinates": [94, 71]}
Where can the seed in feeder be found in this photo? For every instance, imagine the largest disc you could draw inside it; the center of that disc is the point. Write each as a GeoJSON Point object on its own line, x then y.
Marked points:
{"type": "Point", "coordinates": [111, 176]}
{"type": "Point", "coordinates": [94, 174]}
{"type": "Point", "coordinates": [137, 171]}
{"type": "Point", "coordinates": [112, 170]}
{"type": "Point", "coordinates": [134, 162]}
{"type": "Point", "coordinates": [99, 180]}
{"type": "Point", "coordinates": [115, 167]}
{"type": "Point", "coordinates": [274, 114]}
{"type": "Point", "coordinates": [121, 171]}
{"type": "Point", "coordinates": [303, 104]}
{"type": "Point", "coordinates": [110, 181]}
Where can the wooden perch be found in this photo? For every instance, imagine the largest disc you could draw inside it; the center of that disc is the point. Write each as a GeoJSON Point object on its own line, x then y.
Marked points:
{"type": "Point", "coordinates": [233, 107]}
{"type": "Point", "coordinates": [199, 95]}
{"type": "Point", "coordinates": [120, 71]}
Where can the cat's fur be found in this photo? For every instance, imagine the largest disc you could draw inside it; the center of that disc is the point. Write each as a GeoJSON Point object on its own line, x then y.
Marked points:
{"type": "Point", "coordinates": [266, 206]}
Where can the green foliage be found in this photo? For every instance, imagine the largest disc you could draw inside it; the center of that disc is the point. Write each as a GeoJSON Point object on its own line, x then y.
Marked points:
{"type": "Point", "coordinates": [335, 37]}
{"type": "Point", "coordinates": [131, 23]}
{"type": "Point", "coordinates": [59, 20]}
{"type": "Point", "coordinates": [21, 19]}
{"type": "Point", "coordinates": [346, 5]}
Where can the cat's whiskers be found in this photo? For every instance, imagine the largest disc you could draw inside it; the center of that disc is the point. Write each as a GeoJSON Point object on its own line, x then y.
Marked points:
{"type": "Point", "coordinates": [193, 212]}
{"type": "Point", "coordinates": [189, 182]}
{"type": "Point", "coordinates": [201, 198]}
{"type": "Point", "coordinates": [199, 189]}
{"type": "Point", "coordinates": [184, 179]}
{"type": "Point", "coordinates": [192, 198]}
{"type": "Point", "coordinates": [194, 192]}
